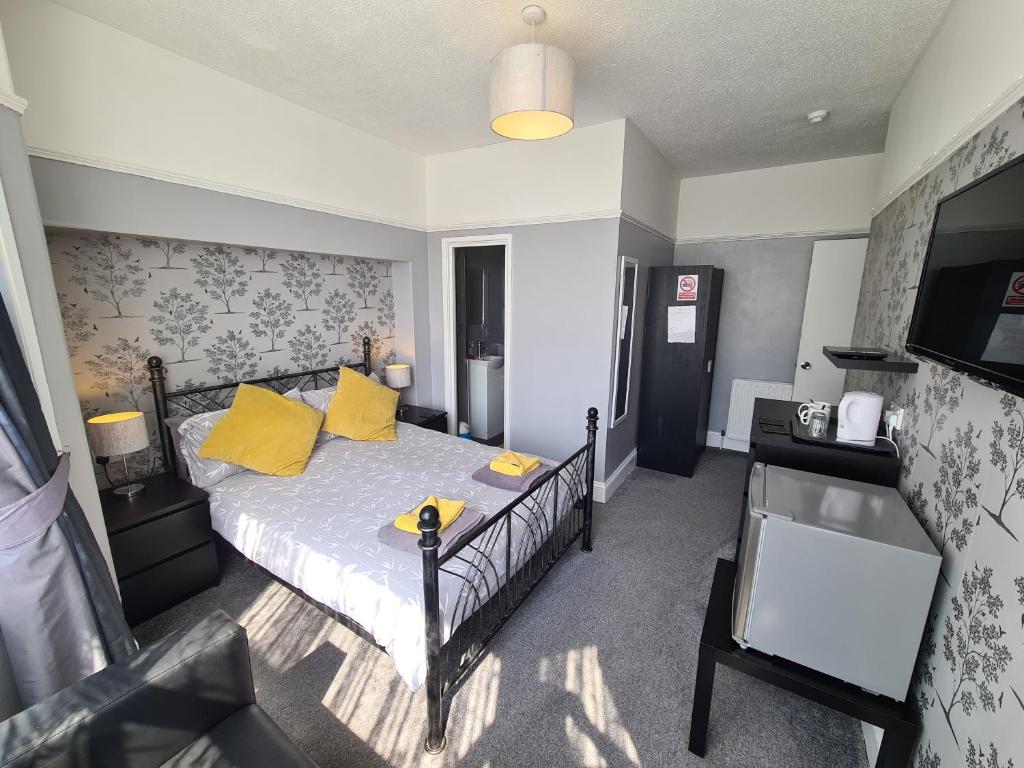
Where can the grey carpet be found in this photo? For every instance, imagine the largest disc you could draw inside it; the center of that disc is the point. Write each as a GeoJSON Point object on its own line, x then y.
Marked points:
{"type": "Point", "coordinates": [595, 669]}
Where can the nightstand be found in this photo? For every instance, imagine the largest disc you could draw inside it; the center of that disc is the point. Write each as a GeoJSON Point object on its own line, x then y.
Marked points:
{"type": "Point", "coordinates": [162, 545]}
{"type": "Point", "coordinates": [428, 418]}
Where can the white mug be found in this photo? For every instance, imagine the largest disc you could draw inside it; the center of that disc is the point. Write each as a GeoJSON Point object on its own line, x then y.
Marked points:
{"type": "Point", "coordinates": [806, 409]}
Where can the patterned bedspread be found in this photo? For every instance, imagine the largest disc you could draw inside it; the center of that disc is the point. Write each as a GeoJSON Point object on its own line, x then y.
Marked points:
{"type": "Point", "coordinates": [318, 531]}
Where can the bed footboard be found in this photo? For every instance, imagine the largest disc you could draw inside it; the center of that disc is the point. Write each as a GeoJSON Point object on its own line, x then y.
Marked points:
{"type": "Point", "coordinates": [496, 565]}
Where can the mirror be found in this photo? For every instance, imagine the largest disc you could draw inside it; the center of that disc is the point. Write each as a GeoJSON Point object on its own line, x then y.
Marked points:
{"type": "Point", "coordinates": [625, 308]}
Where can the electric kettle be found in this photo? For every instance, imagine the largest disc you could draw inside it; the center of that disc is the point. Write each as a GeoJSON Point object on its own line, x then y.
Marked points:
{"type": "Point", "coordinates": [859, 414]}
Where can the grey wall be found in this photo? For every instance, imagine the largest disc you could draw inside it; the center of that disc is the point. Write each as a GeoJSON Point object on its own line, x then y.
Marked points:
{"type": "Point", "coordinates": [78, 197]}
{"type": "Point", "coordinates": [762, 310]}
{"type": "Point", "coordinates": [20, 193]}
{"type": "Point", "coordinates": [563, 296]}
{"type": "Point", "coordinates": [650, 251]}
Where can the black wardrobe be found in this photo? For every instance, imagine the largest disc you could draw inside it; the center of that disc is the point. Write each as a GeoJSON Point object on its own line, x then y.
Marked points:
{"type": "Point", "coordinates": [680, 333]}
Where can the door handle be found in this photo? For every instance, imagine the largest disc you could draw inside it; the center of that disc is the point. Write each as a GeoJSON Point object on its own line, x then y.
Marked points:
{"type": "Point", "coordinates": [805, 365]}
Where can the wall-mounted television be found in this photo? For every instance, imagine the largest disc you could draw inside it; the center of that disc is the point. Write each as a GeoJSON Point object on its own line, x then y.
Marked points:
{"type": "Point", "coordinates": [969, 313]}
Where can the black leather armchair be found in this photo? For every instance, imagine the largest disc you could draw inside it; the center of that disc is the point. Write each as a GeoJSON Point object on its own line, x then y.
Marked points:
{"type": "Point", "coordinates": [187, 700]}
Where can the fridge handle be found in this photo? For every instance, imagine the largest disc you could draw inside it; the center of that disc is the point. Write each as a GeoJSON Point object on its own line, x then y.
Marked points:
{"type": "Point", "coordinates": [758, 491]}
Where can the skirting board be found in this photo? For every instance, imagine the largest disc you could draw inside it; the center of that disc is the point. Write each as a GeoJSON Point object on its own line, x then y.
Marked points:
{"type": "Point", "coordinates": [603, 491]}
{"type": "Point", "coordinates": [718, 440]}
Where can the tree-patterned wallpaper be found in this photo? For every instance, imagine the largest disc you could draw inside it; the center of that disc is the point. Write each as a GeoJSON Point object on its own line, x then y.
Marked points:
{"type": "Point", "coordinates": [963, 476]}
{"type": "Point", "coordinates": [213, 313]}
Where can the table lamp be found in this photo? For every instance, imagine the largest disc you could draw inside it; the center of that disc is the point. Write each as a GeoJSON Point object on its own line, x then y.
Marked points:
{"type": "Point", "coordinates": [118, 434]}
{"type": "Point", "coordinates": [398, 376]}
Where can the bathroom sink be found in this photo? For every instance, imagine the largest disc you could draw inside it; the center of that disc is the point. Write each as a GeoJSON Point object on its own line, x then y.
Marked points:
{"type": "Point", "coordinates": [489, 361]}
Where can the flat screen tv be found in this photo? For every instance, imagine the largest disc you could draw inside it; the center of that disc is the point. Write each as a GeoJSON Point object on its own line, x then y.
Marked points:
{"type": "Point", "coordinates": [969, 313]}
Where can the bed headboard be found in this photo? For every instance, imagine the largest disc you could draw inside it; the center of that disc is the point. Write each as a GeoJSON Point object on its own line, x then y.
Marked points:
{"type": "Point", "coordinates": [188, 402]}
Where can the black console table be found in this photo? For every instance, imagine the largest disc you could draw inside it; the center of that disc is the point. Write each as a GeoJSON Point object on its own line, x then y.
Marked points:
{"type": "Point", "coordinates": [718, 647]}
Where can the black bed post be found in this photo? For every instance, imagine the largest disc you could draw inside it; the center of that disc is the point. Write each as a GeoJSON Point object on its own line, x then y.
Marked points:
{"type": "Point", "coordinates": [366, 355]}
{"type": "Point", "coordinates": [156, 379]}
{"type": "Point", "coordinates": [429, 525]}
{"type": "Point", "coordinates": [588, 504]}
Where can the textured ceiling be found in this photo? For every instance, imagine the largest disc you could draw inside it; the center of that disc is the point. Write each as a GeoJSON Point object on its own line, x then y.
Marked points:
{"type": "Point", "coordinates": [717, 85]}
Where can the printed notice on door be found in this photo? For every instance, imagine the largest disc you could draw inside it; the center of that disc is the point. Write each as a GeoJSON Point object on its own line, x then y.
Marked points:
{"type": "Point", "coordinates": [682, 324]}
{"type": "Point", "coordinates": [1015, 291]}
{"type": "Point", "coordinates": [686, 289]}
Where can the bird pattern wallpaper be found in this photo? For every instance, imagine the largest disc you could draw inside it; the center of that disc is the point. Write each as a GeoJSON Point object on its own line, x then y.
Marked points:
{"type": "Point", "coordinates": [213, 312]}
{"type": "Point", "coordinates": [962, 474]}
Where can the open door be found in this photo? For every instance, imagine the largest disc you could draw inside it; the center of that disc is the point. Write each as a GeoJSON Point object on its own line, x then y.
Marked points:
{"type": "Point", "coordinates": [837, 267]}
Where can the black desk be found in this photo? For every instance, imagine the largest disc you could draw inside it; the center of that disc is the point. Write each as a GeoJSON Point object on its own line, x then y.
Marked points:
{"type": "Point", "coordinates": [783, 451]}
{"type": "Point", "coordinates": [718, 647]}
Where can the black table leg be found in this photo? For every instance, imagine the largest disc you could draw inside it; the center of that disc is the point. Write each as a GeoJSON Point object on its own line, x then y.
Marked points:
{"type": "Point", "coordinates": [702, 690]}
{"type": "Point", "coordinates": [896, 748]}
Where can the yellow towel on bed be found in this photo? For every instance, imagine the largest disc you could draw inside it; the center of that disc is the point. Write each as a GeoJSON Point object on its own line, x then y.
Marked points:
{"type": "Point", "coordinates": [448, 510]}
{"type": "Point", "coordinates": [514, 464]}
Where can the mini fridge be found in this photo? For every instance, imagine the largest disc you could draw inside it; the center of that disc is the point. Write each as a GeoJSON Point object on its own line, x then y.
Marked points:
{"type": "Point", "coordinates": [835, 575]}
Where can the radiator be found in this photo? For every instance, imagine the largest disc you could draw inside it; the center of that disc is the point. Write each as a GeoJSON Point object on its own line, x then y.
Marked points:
{"type": "Point", "coordinates": [741, 404]}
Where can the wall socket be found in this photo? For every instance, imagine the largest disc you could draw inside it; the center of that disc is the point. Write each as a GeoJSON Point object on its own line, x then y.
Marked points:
{"type": "Point", "coordinates": [894, 418]}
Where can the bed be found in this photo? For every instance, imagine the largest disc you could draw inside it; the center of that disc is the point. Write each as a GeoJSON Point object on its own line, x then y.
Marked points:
{"type": "Point", "coordinates": [432, 612]}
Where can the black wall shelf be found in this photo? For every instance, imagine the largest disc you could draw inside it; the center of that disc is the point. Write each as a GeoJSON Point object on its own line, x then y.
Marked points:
{"type": "Point", "coordinates": [891, 362]}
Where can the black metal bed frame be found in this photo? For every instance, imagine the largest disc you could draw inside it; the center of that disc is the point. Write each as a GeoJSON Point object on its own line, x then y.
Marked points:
{"type": "Point", "coordinates": [496, 571]}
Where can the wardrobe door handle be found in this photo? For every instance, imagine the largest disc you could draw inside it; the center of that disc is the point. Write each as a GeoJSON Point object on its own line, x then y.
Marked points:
{"type": "Point", "coordinates": [805, 365]}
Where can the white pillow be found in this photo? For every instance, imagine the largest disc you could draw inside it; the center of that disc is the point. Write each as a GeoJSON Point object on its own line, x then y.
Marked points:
{"type": "Point", "coordinates": [194, 431]}
{"type": "Point", "coordinates": [321, 400]}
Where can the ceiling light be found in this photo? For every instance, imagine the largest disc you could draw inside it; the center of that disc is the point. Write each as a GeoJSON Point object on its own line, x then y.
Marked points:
{"type": "Point", "coordinates": [817, 116]}
{"type": "Point", "coordinates": [532, 87]}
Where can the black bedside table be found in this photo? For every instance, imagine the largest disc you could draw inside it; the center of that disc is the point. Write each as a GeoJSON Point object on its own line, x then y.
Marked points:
{"type": "Point", "coordinates": [162, 545]}
{"type": "Point", "coordinates": [428, 418]}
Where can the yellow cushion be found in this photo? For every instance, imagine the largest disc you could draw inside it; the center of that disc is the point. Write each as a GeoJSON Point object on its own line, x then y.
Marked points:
{"type": "Point", "coordinates": [448, 510]}
{"type": "Point", "coordinates": [514, 464]}
{"type": "Point", "coordinates": [361, 409]}
{"type": "Point", "coordinates": [264, 431]}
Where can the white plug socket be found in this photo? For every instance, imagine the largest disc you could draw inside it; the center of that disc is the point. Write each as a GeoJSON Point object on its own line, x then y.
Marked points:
{"type": "Point", "coordinates": [894, 418]}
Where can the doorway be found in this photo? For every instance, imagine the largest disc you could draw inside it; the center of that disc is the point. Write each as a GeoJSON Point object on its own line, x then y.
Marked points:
{"type": "Point", "coordinates": [833, 290]}
{"type": "Point", "coordinates": [477, 300]}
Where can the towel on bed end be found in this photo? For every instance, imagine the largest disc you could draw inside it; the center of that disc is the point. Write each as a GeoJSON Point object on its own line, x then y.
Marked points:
{"type": "Point", "coordinates": [407, 542]}
{"type": "Point", "coordinates": [488, 476]}
{"type": "Point", "coordinates": [514, 464]}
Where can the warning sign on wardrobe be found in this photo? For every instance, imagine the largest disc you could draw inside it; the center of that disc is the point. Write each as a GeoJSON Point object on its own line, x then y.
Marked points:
{"type": "Point", "coordinates": [686, 289]}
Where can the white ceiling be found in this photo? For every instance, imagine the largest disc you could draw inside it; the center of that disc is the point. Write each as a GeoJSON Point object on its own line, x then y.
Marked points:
{"type": "Point", "coordinates": [717, 85]}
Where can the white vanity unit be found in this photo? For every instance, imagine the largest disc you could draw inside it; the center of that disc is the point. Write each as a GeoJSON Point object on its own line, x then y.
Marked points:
{"type": "Point", "coordinates": [486, 396]}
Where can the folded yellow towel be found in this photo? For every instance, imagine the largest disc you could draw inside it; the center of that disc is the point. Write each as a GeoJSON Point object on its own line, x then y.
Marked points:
{"type": "Point", "coordinates": [448, 510]}
{"type": "Point", "coordinates": [514, 464]}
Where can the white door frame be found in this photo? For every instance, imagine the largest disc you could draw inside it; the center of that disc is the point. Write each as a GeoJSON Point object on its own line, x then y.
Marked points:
{"type": "Point", "coordinates": [448, 246]}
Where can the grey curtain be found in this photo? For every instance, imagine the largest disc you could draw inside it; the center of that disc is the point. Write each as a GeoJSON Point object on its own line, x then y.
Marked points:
{"type": "Point", "coordinates": [60, 617]}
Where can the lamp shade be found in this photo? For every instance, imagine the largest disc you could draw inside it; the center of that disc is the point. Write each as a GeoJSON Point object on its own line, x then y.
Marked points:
{"type": "Point", "coordinates": [398, 375]}
{"type": "Point", "coordinates": [532, 92]}
{"type": "Point", "coordinates": [115, 434]}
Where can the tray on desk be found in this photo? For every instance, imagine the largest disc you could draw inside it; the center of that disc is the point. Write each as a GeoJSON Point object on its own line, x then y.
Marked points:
{"type": "Point", "coordinates": [800, 432]}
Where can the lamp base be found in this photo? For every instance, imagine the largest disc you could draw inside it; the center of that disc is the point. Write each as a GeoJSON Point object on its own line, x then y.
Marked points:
{"type": "Point", "coordinates": [130, 490]}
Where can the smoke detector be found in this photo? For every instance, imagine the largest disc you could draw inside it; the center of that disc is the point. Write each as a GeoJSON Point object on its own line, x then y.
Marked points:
{"type": "Point", "coordinates": [817, 116]}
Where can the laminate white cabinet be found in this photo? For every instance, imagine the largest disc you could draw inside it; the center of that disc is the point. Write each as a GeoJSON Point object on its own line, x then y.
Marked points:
{"type": "Point", "coordinates": [486, 397]}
